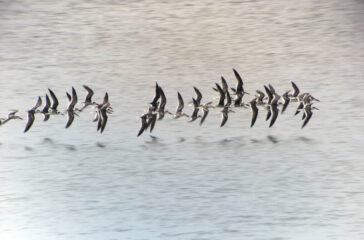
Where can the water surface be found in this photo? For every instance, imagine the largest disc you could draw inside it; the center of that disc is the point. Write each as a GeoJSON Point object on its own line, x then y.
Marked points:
{"type": "Point", "coordinates": [189, 182]}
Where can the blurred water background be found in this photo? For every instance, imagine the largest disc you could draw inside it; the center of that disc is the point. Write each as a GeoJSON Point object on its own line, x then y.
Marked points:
{"type": "Point", "coordinates": [190, 181]}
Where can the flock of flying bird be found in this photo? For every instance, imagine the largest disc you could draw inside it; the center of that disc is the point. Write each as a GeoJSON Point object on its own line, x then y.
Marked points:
{"type": "Point", "coordinates": [270, 101]}
{"type": "Point", "coordinates": [51, 108]}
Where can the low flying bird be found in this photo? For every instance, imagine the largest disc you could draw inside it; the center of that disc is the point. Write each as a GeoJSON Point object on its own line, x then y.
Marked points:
{"type": "Point", "coordinates": [45, 109]}
{"type": "Point", "coordinates": [205, 109]}
{"type": "Point", "coordinates": [304, 99]}
{"type": "Point", "coordinates": [55, 103]}
{"type": "Point", "coordinates": [162, 105]}
{"type": "Point", "coordinates": [269, 94]}
{"type": "Point", "coordinates": [70, 109]}
{"type": "Point", "coordinates": [225, 111]}
{"type": "Point", "coordinates": [239, 90]}
{"type": "Point", "coordinates": [73, 100]}
{"type": "Point", "coordinates": [221, 96]}
{"type": "Point", "coordinates": [274, 108]}
{"type": "Point", "coordinates": [102, 110]}
{"type": "Point", "coordinates": [88, 98]}
{"type": "Point", "coordinates": [180, 107]}
{"type": "Point", "coordinates": [11, 116]}
{"type": "Point", "coordinates": [260, 97]}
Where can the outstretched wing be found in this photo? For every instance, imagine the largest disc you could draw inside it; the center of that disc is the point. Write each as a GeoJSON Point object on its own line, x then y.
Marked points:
{"type": "Point", "coordinates": [30, 120]}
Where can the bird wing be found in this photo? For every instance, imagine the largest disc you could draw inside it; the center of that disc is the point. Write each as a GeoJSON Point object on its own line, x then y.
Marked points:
{"type": "Point", "coordinates": [285, 105]}
{"type": "Point", "coordinates": [222, 95]}
{"type": "Point", "coordinates": [228, 98]}
{"type": "Point", "coordinates": [271, 88]}
{"type": "Point", "coordinates": [152, 120]}
{"type": "Point", "coordinates": [296, 91]}
{"type": "Point", "coordinates": [89, 95]}
{"type": "Point", "coordinates": [261, 95]}
{"type": "Point", "coordinates": [30, 120]}
{"type": "Point", "coordinates": [74, 99]}
{"type": "Point", "coordinates": [47, 105]}
{"type": "Point", "coordinates": [163, 99]}
{"type": "Point", "coordinates": [308, 117]}
{"type": "Point", "coordinates": [156, 97]}
{"type": "Point", "coordinates": [239, 86]}
{"type": "Point", "coordinates": [205, 113]}
{"type": "Point", "coordinates": [269, 113]}
{"type": "Point", "coordinates": [54, 100]}
{"type": "Point", "coordinates": [70, 117]}
{"type": "Point", "coordinates": [199, 95]}
{"type": "Point", "coordinates": [254, 113]}
{"type": "Point", "coordinates": [269, 94]}
{"type": "Point", "coordinates": [144, 125]}
{"type": "Point", "coordinates": [224, 84]}
{"type": "Point", "coordinates": [300, 106]}
{"type": "Point", "coordinates": [103, 119]}
{"type": "Point", "coordinates": [37, 105]}
{"type": "Point", "coordinates": [224, 117]}
{"type": "Point", "coordinates": [274, 114]}
{"type": "Point", "coordinates": [180, 103]}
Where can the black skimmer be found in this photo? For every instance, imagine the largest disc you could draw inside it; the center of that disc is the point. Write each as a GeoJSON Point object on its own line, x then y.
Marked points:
{"type": "Point", "coordinates": [55, 103]}
{"type": "Point", "coordinates": [274, 108]}
{"type": "Point", "coordinates": [304, 99]}
{"type": "Point", "coordinates": [260, 97]}
{"type": "Point", "coordinates": [71, 107]}
{"type": "Point", "coordinates": [270, 98]}
{"type": "Point", "coordinates": [147, 120]}
{"type": "Point", "coordinates": [269, 94]}
{"type": "Point", "coordinates": [205, 109]}
{"type": "Point", "coordinates": [72, 99]}
{"type": "Point", "coordinates": [88, 98]}
{"type": "Point", "coordinates": [102, 110]}
{"type": "Point", "coordinates": [221, 96]}
{"type": "Point", "coordinates": [11, 116]}
{"type": "Point", "coordinates": [102, 119]}
{"type": "Point", "coordinates": [239, 90]}
{"type": "Point", "coordinates": [162, 105]}
{"type": "Point", "coordinates": [180, 107]}
{"type": "Point", "coordinates": [45, 109]}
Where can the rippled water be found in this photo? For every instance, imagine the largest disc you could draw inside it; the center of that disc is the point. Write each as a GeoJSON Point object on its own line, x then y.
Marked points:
{"type": "Point", "coordinates": [189, 182]}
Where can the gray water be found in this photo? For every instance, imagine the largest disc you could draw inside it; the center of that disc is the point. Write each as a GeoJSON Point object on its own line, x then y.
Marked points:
{"type": "Point", "coordinates": [190, 181]}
